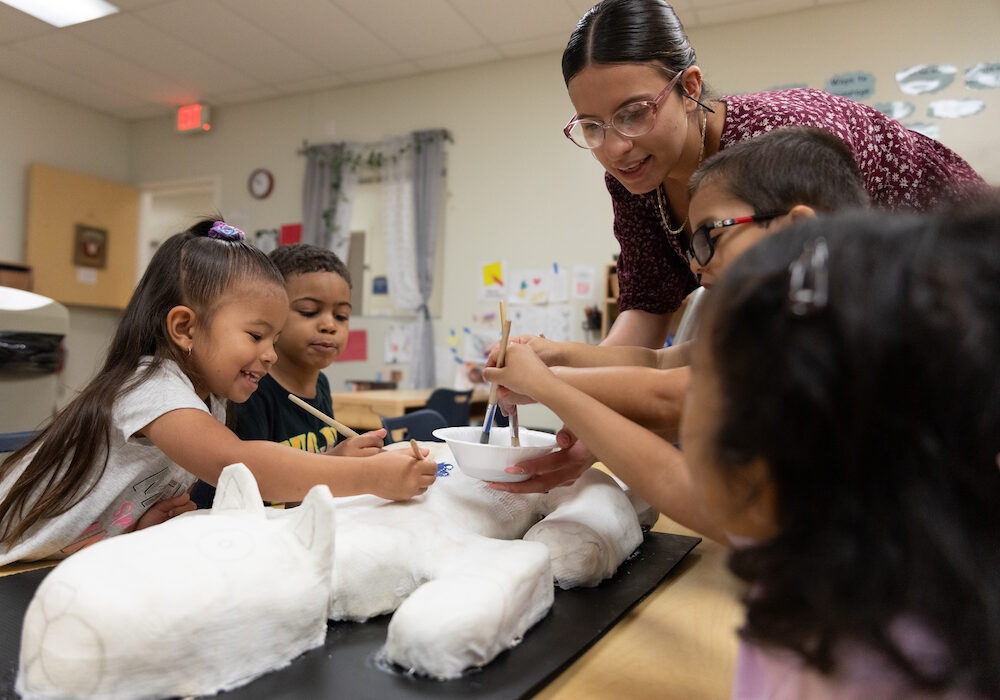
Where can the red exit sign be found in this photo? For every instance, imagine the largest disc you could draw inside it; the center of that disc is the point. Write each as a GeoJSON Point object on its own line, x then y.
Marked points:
{"type": "Point", "coordinates": [192, 118]}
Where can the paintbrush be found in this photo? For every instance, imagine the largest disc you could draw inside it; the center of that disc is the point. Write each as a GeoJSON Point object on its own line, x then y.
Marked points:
{"type": "Point", "coordinates": [337, 425]}
{"type": "Point", "coordinates": [416, 449]}
{"type": "Point", "coordinates": [492, 408]}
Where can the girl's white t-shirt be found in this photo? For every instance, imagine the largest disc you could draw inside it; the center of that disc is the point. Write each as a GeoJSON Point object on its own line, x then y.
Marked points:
{"type": "Point", "coordinates": [137, 475]}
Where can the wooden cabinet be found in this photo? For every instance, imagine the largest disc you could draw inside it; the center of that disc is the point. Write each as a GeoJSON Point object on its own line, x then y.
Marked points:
{"type": "Point", "coordinates": [609, 304]}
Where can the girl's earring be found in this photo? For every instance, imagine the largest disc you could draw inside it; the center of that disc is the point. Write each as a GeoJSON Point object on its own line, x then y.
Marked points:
{"type": "Point", "coordinates": [190, 348]}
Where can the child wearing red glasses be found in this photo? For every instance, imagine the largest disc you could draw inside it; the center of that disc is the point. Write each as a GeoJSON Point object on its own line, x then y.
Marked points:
{"type": "Point", "coordinates": [737, 197]}
{"type": "Point", "coordinates": [839, 434]}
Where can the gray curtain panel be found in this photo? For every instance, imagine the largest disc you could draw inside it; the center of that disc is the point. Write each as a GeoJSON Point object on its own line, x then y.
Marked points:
{"type": "Point", "coordinates": [428, 196]}
{"type": "Point", "coordinates": [329, 183]}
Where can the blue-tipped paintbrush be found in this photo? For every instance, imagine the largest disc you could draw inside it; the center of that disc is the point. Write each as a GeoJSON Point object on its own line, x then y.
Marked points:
{"type": "Point", "coordinates": [491, 410]}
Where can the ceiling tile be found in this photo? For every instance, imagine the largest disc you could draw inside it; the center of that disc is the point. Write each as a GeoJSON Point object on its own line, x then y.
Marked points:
{"type": "Point", "coordinates": [16, 25]}
{"type": "Point", "coordinates": [454, 59]}
{"type": "Point", "coordinates": [228, 37]}
{"type": "Point", "coordinates": [725, 11]}
{"type": "Point", "coordinates": [53, 80]}
{"type": "Point", "coordinates": [370, 75]}
{"type": "Point", "coordinates": [320, 30]}
{"type": "Point", "coordinates": [505, 21]}
{"type": "Point", "coordinates": [441, 28]}
{"type": "Point", "coordinates": [182, 70]}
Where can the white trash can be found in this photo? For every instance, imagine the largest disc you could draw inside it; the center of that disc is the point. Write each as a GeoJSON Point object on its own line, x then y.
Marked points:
{"type": "Point", "coordinates": [32, 328]}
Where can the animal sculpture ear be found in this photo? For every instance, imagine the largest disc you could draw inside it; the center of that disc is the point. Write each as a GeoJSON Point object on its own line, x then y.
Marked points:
{"type": "Point", "coordinates": [313, 523]}
{"type": "Point", "coordinates": [237, 491]}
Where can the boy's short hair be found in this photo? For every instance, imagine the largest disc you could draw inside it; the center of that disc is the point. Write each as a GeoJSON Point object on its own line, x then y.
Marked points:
{"type": "Point", "coordinates": [787, 166]}
{"type": "Point", "coordinates": [301, 258]}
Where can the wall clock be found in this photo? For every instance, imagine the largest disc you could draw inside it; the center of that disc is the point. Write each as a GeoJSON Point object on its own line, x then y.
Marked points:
{"type": "Point", "coordinates": [261, 183]}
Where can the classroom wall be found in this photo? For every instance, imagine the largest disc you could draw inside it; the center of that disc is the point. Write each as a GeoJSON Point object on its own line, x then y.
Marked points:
{"type": "Point", "coordinates": [516, 189]}
{"type": "Point", "coordinates": [38, 128]}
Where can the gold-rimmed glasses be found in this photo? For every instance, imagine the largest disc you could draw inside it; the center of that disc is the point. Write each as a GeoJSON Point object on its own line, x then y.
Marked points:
{"type": "Point", "coordinates": [631, 121]}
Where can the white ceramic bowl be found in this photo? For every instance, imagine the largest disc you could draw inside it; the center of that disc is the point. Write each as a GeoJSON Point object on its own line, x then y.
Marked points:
{"type": "Point", "coordinates": [487, 462]}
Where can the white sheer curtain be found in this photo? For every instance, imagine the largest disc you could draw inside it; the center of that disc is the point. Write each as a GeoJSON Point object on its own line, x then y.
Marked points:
{"type": "Point", "coordinates": [412, 188]}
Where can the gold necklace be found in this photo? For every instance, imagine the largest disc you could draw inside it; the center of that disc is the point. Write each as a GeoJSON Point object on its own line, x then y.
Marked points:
{"type": "Point", "coordinates": [659, 190]}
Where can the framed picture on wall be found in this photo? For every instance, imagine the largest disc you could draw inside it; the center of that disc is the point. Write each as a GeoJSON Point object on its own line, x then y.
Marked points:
{"type": "Point", "coordinates": [90, 247]}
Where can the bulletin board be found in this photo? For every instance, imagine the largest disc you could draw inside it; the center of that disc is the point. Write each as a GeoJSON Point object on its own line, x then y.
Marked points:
{"type": "Point", "coordinates": [82, 237]}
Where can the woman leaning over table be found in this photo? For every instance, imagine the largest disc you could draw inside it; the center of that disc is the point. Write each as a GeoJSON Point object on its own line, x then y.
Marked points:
{"type": "Point", "coordinates": [644, 112]}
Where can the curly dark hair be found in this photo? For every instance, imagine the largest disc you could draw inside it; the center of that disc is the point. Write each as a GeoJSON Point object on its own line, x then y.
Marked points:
{"type": "Point", "coordinates": [301, 258]}
{"type": "Point", "coordinates": [879, 419]}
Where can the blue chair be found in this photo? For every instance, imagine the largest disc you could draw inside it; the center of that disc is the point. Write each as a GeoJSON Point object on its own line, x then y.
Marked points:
{"type": "Point", "coordinates": [454, 405]}
{"type": "Point", "coordinates": [11, 441]}
{"type": "Point", "coordinates": [417, 425]}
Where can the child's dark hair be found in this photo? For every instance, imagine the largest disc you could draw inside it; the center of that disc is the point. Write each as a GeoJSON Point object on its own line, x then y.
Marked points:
{"type": "Point", "coordinates": [877, 416]}
{"type": "Point", "coordinates": [302, 258]}
{"type": "Point", "coordinates": [189, 269]}
{"type": "Point", "coordinates": [784, 167]}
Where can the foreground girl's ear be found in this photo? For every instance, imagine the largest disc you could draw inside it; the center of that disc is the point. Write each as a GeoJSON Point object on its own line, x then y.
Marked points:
{"type": "Point", "coordinates": [181, 322]}
{"type": "Point", "coordinates": [758, 501]}
{"type": "Point", "coordinates": [801, 212]}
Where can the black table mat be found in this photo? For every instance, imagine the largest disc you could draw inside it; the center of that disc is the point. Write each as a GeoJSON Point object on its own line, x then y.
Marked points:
{"type": "Point", "coordinates": [348, 664]}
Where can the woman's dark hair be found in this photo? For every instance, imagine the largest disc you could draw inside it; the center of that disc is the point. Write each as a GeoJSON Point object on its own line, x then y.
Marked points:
{"type": "Point", "coordinates": [190, 269]}
{"type": "Point", "coordinates": [302, 258]}
{"type": "Point", "coordinates": [784, 167]}
{"type": "Point", "coordinates": [878, 416]}
{"type": "Point", "coordinates": [629, 31]}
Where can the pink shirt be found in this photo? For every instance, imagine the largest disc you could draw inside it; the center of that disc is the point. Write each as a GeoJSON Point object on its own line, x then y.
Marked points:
{"type": "Point", "coordinates": [901, 169]}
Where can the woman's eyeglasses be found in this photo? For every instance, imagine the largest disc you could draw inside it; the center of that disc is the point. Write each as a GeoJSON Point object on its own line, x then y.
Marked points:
{"type": "Point", "coordinates": [631, 121]}
{"type": "Point", "coordinates": [702, 244]}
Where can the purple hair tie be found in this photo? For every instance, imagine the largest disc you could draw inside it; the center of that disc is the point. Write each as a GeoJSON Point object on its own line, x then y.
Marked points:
{"type": "Point", "coordinates": [225, 232]}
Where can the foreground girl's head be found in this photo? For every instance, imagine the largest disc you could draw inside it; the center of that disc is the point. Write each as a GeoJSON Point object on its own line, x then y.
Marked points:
{"type": "Point", "coordinates": [199, 303]}
{"type": "Point", "coordinates": [205, 270]}
{"type": "Point", "coordinates": [844, 412]}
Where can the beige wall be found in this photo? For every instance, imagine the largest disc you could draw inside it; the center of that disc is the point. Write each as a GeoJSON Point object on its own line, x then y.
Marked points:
{"type": "Point", "coordinates": [39, 128]}
{"type": "Point", "coordinates": [516, 189]}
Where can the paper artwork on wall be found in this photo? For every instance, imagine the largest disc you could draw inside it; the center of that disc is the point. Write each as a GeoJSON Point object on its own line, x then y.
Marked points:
{"type": "Point", "coordinates": [983, 76]}
{"type": "Point", "coordinates": [559, 286]}
{"type": "Point", "coordinates": [955, 109]}
{"type": "Point", "coordinates": [477, 344]}
{"type": "Point", "coordinates": [554, 321]}
{"type": "Point", "coordinates": [399, 343]}
{"type": "Point", "coordinates": [291, 233]}
{"type": "Point", "coordinates": [923, 79]}
{"type": "Point", "coordinates": [380, 285]}
{"type": "Point", "coordinates": [859, 85]}
{"type": "Point", "coordinates": [932, 131]}
{"type": "Point", "coordinates": [583, 281]}
{"type": "Point", "coordinates": [266, 239]}
{"type": "Point", "coordinates": [529, 287]}
{"type": "Point", "coordinates": [897, 109]}
{"type": "Point", "coordinates": [90, 247]}
{"type": "Point", "coordinates": [356, 349]}
{"type": "Point", "coordinates": [493, 282]}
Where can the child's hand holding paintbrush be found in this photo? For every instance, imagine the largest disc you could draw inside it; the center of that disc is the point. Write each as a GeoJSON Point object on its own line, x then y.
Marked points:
{"type": "Point", "coordinates": [492, 408]}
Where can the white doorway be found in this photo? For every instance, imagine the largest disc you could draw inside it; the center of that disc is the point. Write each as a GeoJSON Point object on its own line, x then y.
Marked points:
{"type": "Point", "coordinates": [166, 208]}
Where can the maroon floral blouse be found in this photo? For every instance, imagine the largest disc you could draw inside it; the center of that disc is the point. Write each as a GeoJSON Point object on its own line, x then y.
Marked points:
{"type": "Point", "coordinates": [901, 169]}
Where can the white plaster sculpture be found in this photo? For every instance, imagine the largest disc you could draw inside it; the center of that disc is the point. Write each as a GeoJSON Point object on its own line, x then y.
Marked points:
{"type": "Point", "coordinates": [205, 602]}
{"type": "Point", "coordinates": [451, 564]}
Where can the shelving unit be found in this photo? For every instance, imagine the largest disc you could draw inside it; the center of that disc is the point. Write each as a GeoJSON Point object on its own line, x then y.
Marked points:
{"type": "Point", "coordinates": [609, 305]}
